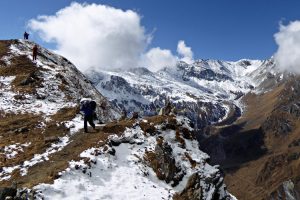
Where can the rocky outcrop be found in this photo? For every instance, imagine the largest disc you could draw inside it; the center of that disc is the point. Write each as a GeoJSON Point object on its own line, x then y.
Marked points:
{"type": "Point", "coordinates": [192, 189]}
{"type": "Point", "coordinates": [201, 187]}
{"type": "Point", "coordinates": [163, 163]}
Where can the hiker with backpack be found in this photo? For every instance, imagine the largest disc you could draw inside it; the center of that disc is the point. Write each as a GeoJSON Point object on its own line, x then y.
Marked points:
{"type": "Point", "coordinates": [88, 107]}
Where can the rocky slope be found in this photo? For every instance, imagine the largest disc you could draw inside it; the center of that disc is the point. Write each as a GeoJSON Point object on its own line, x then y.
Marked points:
{"type": "Point", "coordinates": [45, 154]}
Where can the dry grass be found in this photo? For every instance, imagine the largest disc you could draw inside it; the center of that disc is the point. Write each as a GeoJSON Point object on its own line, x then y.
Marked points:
{"type": "Point", "coordinates": [65, 114]}
{"type": "Point", "coordinates": [259, 107]}
{"type": "Point", "coordinates": [22, 67]}
{"type": "Point", "coordinates": [151, 158]}
{"type": "Point", "coordinates": [10, 124]}
{"type": "Point", "coordinates": [4, 48]}
{"type": "Point", "coordinates": [258, 178]}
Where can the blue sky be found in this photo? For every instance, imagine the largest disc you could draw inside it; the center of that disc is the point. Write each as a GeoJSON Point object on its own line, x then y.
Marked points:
{"type": "Point", "coordinates": [218, 29]}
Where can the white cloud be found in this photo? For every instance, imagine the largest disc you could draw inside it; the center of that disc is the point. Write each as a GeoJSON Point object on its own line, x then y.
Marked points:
{"type": "Point", "coordinates": [103, 37]}
{"type": "Point", "coordinates": [92, 35]}
{"type": "Point", "coordinates": [287, 56]}
{"type": "Point", "coordinates": [157, 58]}
{"type": "Point", "coordinates": [185, 52]}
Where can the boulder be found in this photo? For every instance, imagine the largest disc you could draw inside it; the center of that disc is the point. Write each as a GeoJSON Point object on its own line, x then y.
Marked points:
{"type": "Point", "coordinates": [7, 192]}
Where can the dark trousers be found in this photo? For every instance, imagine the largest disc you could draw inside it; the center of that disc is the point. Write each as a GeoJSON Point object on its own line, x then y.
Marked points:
{"type": "Point", "coordinates": [88, 118]}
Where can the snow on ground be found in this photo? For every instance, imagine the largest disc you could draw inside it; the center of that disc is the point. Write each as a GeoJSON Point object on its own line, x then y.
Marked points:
{"type": "Point", "coordinates": [5, 174]}
{"type": "Point", "coordinates": [12, 150]}
{"type": "Point", "coordinates": [125, 175]}
{"type": "Point", "coordinates": [75, 124]}
{"type": "Point", "coordinates": [121, 176]}
{"type": "Point", "coordinates": [62, 85]}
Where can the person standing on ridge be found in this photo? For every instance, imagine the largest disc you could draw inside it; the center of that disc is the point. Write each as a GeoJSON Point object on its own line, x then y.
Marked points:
{"type": "Point", "coordinates": [26, 35]}
{"type": "Point", "coordinates": [34, 52]}
{"type": "Point", "coordinates": [88, 107]}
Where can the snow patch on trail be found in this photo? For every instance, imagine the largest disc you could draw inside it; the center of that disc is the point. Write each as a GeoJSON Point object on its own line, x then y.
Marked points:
{"type": "Point", "coordinates": [113, 177]}
{"type": "Point", "coordinates": [75, 124]}
{"type": "Point", "coordinates": [11, 151]}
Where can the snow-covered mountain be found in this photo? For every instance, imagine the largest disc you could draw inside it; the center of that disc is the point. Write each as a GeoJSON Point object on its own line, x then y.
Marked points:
{"type": "Point", "coordinates": [207, 91]}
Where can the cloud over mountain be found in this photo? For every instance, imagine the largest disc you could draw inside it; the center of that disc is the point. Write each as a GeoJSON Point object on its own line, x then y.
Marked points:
{"type": "Point", "coordinates": [185, 52]}
{"type": "Point", "coordinates": [104, 37]}
{"type": "Point", "coordinates": [157, 58]}
{"type": "Point", "coordinates": [94, 35]}
{"type": "Point", "coordinates": [287, 56]}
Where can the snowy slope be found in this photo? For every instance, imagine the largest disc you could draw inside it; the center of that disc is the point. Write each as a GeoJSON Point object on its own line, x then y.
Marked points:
{"type": "Point", "coordinates": [54, 71]}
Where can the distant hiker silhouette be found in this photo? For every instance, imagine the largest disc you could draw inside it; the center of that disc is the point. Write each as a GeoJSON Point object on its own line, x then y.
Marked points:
{"type": "Point", "coordinates": [34, 52]}
{"type": "Point", "coordinates": [26, 35]}
{"type": "Point", "coordinates": [88, 107]}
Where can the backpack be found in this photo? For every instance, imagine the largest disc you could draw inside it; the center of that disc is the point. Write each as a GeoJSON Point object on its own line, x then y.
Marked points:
{"type": "Point", "coordinates": [93, 105]}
